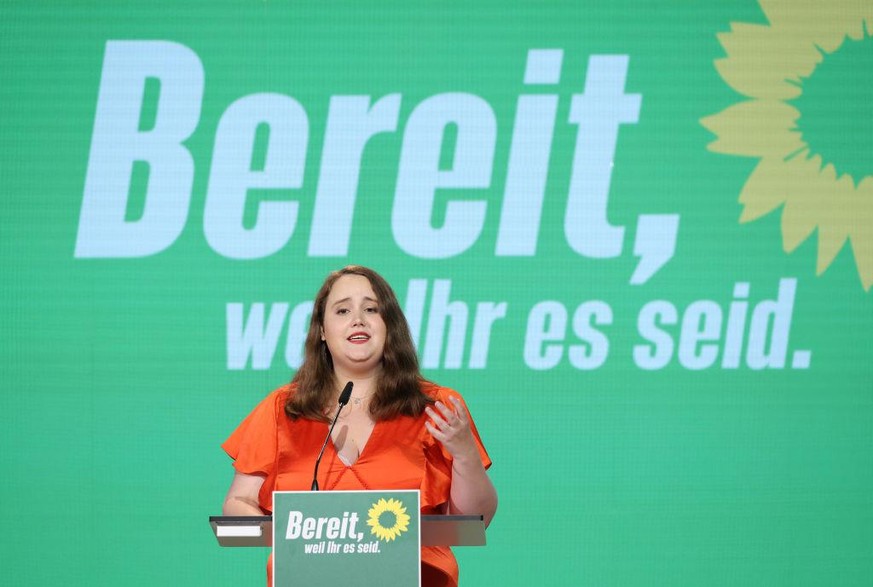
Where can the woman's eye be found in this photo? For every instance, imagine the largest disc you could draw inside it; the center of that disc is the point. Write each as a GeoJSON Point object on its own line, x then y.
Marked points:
{"type": "Point", "coordinates": [373, 310]}
{"type": "Point", "coordinates": [342, 311]}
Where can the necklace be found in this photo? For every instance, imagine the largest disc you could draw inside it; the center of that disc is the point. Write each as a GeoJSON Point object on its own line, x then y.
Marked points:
{"type": "Point", "coordinates": [355, 403]}
{"type": "Point", "coordinates": [359, 399]}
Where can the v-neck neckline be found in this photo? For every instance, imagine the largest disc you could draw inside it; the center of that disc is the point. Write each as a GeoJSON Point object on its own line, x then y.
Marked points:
{"type": "Point", "coordinates": [336, 452]}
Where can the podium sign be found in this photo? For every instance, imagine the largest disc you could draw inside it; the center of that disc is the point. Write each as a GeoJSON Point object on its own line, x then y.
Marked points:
{"type": "Point", "coordinates": [346, 537]}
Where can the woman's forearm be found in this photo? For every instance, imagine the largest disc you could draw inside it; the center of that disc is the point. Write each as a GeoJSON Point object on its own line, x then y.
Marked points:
{"type": "Point", "coordinates": [472, 491]}
{"type": "Point", "coordinates": [242, 497]}
{"type": "Point", "coordinates": [239, 506]}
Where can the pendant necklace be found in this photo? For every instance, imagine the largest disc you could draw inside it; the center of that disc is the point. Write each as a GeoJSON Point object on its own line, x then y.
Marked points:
{"type": "Point", "coordinates": [358, 400]}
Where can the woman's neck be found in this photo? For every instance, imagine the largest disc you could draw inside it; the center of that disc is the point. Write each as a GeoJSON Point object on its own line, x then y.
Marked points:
{"type": "Point", "coordinates": [362, 385]}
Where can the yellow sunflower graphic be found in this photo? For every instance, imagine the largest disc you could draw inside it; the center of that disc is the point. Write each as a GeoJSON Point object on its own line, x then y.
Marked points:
{"type": "Point", "coordinates": [390, 508]}
{"type": "Point", "coordinates": [809, 120]}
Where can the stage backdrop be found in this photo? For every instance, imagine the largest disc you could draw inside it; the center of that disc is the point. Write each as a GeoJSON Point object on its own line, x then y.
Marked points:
{"type": "Point", "coordinates": [636, 235]}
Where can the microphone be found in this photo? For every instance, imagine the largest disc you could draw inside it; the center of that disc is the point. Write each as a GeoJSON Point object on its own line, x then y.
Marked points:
{"type": "Point", "coordinates": [343, 400]}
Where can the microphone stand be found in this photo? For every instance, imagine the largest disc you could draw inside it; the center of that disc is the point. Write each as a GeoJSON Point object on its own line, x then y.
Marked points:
{"type": "Point", "coordinates": [343, 400]}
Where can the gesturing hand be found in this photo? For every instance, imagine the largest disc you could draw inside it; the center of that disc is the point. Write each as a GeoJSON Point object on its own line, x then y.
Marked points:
{"type": "Point", "coordinates": [450, 425]}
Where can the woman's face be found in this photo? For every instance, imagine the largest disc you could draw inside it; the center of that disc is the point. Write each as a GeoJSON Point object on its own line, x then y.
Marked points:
{"type": "Point", "coordinates": [353, 328]}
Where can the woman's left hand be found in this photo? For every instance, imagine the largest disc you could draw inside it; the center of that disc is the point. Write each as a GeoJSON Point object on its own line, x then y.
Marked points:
{"type": "Point", "coordinates": [450, 425]}
{"type": "Point", "coordinates": [472, 491]}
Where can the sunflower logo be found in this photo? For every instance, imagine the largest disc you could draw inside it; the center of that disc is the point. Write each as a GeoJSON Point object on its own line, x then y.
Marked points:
{"type": "Point", "coordinates": [809, 120]}
{"type": "Point", "coordinates": [397, 521]}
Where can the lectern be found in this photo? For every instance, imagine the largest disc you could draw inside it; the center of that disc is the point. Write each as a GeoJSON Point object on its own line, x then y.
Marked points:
{"type": "Point", "coordinates": [370, 537]}
{"type": "Point", "coordinates": [435, 530]}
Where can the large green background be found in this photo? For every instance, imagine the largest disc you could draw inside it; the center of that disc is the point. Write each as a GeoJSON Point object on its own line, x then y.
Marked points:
{"type": "Point", "coordinates": [116, 391]}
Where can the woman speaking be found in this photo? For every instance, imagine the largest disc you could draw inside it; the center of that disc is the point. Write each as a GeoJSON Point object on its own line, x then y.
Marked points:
{"type": "Point", "coordinates": [398, 431]}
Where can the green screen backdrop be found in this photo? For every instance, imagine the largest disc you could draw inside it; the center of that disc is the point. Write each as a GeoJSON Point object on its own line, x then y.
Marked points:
{"type": "Point", "coordinates": [637, 236]}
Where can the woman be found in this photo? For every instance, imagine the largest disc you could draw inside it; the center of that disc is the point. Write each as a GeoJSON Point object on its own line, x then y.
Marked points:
{"type": "Point", "coordinates": [398, 431]}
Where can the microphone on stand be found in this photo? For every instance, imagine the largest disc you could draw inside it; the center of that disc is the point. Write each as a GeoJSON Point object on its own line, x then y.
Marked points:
{"type": "Point", "coordinates": [343, 400]}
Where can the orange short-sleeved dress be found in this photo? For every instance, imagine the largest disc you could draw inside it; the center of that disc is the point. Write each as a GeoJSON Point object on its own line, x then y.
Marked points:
{"type": "Point", "coordinates": [400, 454]}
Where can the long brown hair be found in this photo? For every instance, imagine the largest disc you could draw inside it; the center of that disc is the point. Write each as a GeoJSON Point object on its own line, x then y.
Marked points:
{"type": "Point", "coordinates": [398, 388]}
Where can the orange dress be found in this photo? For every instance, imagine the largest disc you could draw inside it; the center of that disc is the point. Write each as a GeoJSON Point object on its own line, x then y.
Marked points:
{"type": "Point", "coordinates": [400, 454]}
